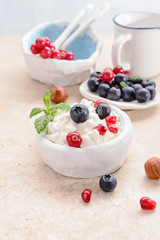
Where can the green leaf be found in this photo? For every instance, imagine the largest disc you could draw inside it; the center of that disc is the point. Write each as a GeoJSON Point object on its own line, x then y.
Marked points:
{"type": "Point", "coordinates": [46, 99]}
{"type": "Point", "coordinates": [123, 84]}
{"type": "Point", "coordinates": [42, 122]}
{"type": "Point", "coordinates": [62, 106]}
{"type": "Point", "coordinates": [36, 111]}
{"type": "Point", "coordinates": [132, 79]}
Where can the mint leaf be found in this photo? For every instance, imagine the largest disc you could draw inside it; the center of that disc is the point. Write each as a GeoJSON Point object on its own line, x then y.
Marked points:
{"type": "Point", "coordinates": [36, 111]}
{"type": "Point", "coordinates": [46, 99]}
{"type": "Point", "coordinates": [123, 84]}
{"type": "Point", "coordinates": [41, 122]}
{"type": "Point", "coordinates": [62, 106]}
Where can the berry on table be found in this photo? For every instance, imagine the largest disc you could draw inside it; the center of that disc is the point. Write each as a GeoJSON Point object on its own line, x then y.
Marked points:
{"type": "Point", "coordinates": [93, 84]}
{"type": "Point", "coordinates": [108, 183]}
{"type": "Point", "coordinates": [118, 69]}
{"type": "Point", "coordinates": [86, 195]}
{"type": "Point", "coordinates": [55, 54]}
{"type": "Point", "coordinates": [79, 113]}
{"type": "Point", "coordinates": [74, 139]}
{"type": "Point", "coordinates": [99, 102]}
{"type": "Point", "coordinates": [147, 203]}
{"type": "Point", "coordinates": [40, 42]}
{"type": "Point", "coordinates": [63, 53]}
{"type": "Point", "coordinates": [35, 49]}
{"type": "Point", "coordinates": [107, 75]}
{"type": "Point", "coordinates": [70, 56]}
{"type": "Point", "coordinates": [101, 129]}
{"type": "Point", "coordinates": [45, 52]}
{"type": "Point", "coordinates": [103, 110]}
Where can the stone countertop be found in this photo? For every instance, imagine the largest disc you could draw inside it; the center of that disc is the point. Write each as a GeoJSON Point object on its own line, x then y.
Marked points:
{"type": "Point", "coordinates": [36, 203]}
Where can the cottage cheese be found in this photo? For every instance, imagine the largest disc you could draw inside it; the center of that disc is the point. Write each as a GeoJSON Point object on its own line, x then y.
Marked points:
{"type": "Point", "coordinates": [63, 124]}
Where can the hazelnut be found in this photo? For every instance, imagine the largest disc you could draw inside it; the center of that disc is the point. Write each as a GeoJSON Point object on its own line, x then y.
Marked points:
{"type": "Point", "coordinates": [152, 167]}
{"type": "Point", "coordinates": [58, 94]}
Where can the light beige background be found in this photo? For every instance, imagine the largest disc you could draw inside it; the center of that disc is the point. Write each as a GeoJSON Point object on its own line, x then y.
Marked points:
{"type": "Point", "coordinates": [37, 203]}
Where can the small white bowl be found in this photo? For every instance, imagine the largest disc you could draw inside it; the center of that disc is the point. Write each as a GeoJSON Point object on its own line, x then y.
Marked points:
{"type": "Point", "coordinates": [88, 162]}
{"type": "Point", "coordinates": [85, 47]}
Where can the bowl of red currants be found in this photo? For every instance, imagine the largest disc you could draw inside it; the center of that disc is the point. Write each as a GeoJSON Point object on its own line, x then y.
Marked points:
{"type": "Point", "coordinates": [60, 66]}
{"type": "Point", "coordinates": [120, 89]}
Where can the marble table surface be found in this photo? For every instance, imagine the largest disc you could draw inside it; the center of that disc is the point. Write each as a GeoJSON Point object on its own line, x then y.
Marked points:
{"type": "Point", "coordinates": [36, 203]}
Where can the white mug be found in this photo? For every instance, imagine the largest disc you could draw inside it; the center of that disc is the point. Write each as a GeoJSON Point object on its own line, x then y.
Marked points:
{"type": "Point", "coordinates": [136, 44]}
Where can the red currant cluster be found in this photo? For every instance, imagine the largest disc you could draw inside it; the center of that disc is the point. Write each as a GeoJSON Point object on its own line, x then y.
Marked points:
{"type": "Point", "coordinates": [46, 49]}
{"type": "Point", "coordinates": [108, 73]}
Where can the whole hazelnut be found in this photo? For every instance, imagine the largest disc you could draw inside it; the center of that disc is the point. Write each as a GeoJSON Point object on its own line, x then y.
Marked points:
{"type": "Point", "coordinates": [58, 93]}
{"type": "Point", "coordinates": [152, 167]}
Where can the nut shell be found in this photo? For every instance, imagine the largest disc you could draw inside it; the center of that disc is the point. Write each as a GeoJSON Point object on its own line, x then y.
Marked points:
{"type": "Point", "coordinates": [152, 168]}
{"type": "Point", "coordinates": [58, 93]}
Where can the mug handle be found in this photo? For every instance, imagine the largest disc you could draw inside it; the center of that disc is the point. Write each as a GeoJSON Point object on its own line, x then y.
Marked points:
{"type": "Point", "coordinates": [117, 50]}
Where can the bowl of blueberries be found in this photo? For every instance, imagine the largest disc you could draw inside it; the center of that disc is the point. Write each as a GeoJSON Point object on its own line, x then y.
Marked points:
{"type": "Point", "coordinates": [120, 89]}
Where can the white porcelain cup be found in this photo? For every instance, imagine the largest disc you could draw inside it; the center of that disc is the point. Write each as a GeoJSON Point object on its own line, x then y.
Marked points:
{"type": "Point", "coordinates": [136, 44]}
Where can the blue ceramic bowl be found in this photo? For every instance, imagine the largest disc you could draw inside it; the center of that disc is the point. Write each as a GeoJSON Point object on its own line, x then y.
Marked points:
{"type": "Point", "coordinates": [86, 49]}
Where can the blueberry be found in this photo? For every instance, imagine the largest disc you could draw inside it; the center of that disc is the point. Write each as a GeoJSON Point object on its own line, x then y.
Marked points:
{"type": "Point", "coordinates": [143, 95]}
{"type": "Point", "coordinates": [114, 94]}
{"type": "Point", "coordinates": [137, 79]}
{"type": "Point", "coordinates": [128, 94]}
{"type": "Point", "coordinates": [129, 83]}
{"type": "Point", "coordinates": [108, 183]}
{"type": "Point", "coordinates": [103, 110]}
{"type": "Point", "coordinates": [103, 89]}
{"type": "Point", "coordinates": [93, 84]}
{"type": "Point", "coordinates": [148, 82]}
{"type": "Point", "coordinates": [96, 74]}
{"type": "Point", "coordinates": [152, 91]}
{"type": "Point", "coordinates": [121, 77]}
{"type": "Point", "coordinates": [79, 113]}
{"type": "Point", "coordinates": [137, 86]}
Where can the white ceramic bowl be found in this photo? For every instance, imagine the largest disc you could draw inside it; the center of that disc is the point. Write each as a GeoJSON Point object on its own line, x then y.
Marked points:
{"type": "Point", "coordinates": [89, 161]}
{"type": "Point", "coordinates": [86, 49]}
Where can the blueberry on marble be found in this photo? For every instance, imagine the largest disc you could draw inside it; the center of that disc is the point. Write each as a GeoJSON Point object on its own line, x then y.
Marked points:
{"type": "Point", "coordinates": [108, 183]}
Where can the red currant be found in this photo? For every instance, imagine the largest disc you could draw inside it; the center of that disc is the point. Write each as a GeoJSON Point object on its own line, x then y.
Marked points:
{"type": "Point", "coordinates": [63, 53]}
{"type": "Point", "coordinates": [147, 203]}
{"type": "Point", "coordinates": [45, 52]}
{"type": "Point", "coordinates": [70, 56]}
{"type": "Point", "coordinates": [86, 195]}
{"type": "Point", "coordinates": [111, 119]}
{"type": "Point", "coordinates": [40, 42]}
{"type": "Point", "coordinates": [101, 129]}
{"type": "Point", "coordinates": [112, 128]}
{"type": "Point", "coordinates": [34, 49]}
{"type": "Point", "coordinates": [118, 69]}
{"type": "Point", "coordinates": [127, 73]}
{"type": "Point", "coordinates": [48, 41]}
{"type": "Point", "coordinates": [74, 139]}
{"type": "Point", "coordinates": [52, 47]}
{"type": "Point", "coordinates": [55, 54]}
{"type": "Point", "coordinates": [99, 102]}
{"type": "Point", "coordinates": [107, 75]}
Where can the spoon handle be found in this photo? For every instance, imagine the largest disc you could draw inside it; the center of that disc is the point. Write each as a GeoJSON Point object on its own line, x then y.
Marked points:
{"type": "Point", "coordinates": [83, 27]}
{"type": "Point", "coordinates": [83, 13]}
